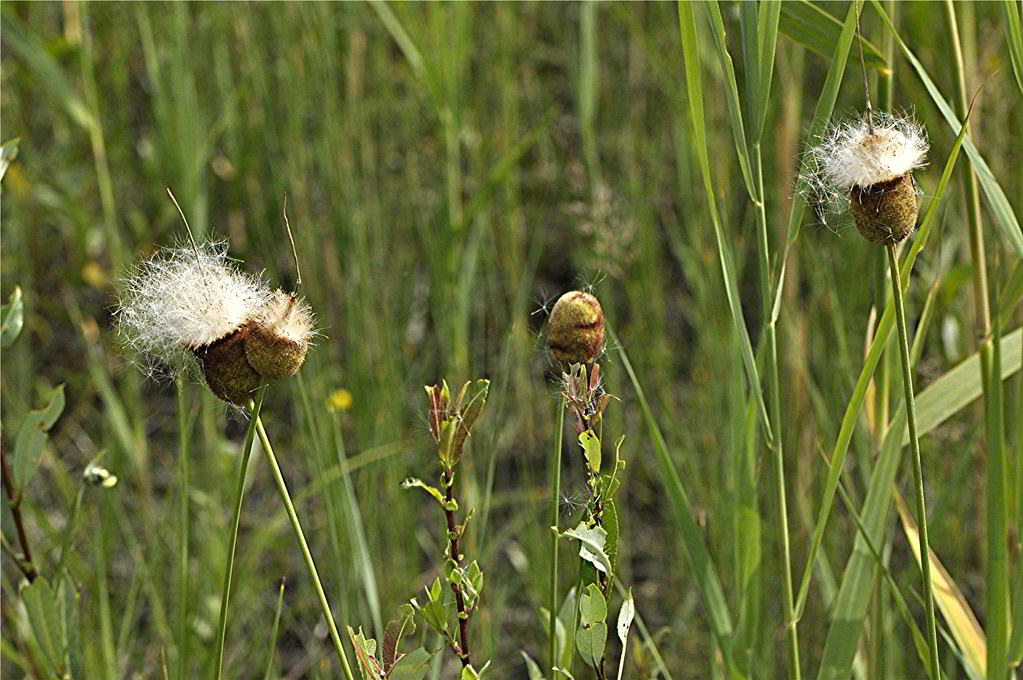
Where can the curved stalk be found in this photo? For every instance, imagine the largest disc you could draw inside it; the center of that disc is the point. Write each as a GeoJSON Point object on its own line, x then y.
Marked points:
{"type": "Point", "coordinates": [225, 596]}
{"type": "Point", "coordinates": [282, 488]}
{"type": "Point", "coordinates": [918, 475]}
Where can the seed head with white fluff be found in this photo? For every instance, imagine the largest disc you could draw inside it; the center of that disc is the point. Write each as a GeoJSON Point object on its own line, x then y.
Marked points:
{"type": "Point", "coordinates": [866, 165]}
{"type": "Point", "coordinates": [193, 304]}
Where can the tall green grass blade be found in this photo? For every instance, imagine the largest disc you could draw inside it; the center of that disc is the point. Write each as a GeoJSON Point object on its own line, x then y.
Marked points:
{"type": "Point", "coordinates": [999, 204]}
{"type": "Point", "coordinates": [272, 647]}
{"type": "Point", "coordinates": [694, 85]}
{"type": "Point", "coordinates": [944, 397]}
{"type": "Point", "coordinates": [702, 564]}
{"type": "Point", "coordinates": [1014, 36]}
{"type": "Point", "coordinates": [818, 31]}
{"type": "Point", "coordinates": [356, 526]}
{"type": "Point", "coordinates": [767, 40]}
{"type": "Point", "coordinates": [717, 31]}
{"type": "Point", "coordinates": [1011, 294]}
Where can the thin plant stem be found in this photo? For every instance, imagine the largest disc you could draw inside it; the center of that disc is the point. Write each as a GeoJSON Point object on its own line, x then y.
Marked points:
{"type": "Point", "coordinates": [918, 475]}
{"type": "Point", "coordinates": [774, 405]}
{"type": "Point", "coordinates": [559, 436]}
{"type": "Point", "coordinates": [282, 488]}
{"type": "Point", "coordinates": [239, 494]}
{"type": "Point", "coordinates": [456, 556]}
{"type": "Point", "coordinates": [14, 500]}
{"type": "Point", "coordinates": [183, 526]}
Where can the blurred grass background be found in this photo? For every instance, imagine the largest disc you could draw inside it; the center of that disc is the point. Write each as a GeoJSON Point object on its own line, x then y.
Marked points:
{"type": "Point", "coordinates": [449, 169]}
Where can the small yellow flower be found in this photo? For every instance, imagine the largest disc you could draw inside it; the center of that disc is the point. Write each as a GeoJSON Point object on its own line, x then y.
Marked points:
{"type": "Point", "coordinates": [339, 400]}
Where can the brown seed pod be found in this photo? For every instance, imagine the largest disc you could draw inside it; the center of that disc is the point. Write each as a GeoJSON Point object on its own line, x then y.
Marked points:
{"type": "Point", "coordinates": [279, 340]}
{"type": "Point", "coordinates": [228, 372]}
{"type": "Point", "coordinates": [575, 329]}
{"type": "Point", "coordinates": [885, 213]}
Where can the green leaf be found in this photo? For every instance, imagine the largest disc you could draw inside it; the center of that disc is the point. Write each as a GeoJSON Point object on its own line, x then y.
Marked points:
{"type": "Point", "coordinates": [468, 414]}
{"type": "Point", "coordinates": [591, 545]}
{"type": "Point", "coordinates": [566, 619]}
{"type": "Point", "coordinates": [590, 641]}
{"type": "Point", "coordinates": [610, 483]}
{"type": "Point", "coordinates": [819, 32]}
{"type": "Point", "coordinates": [12, 318]}
{"type": "Point", "coordinates": [434, 611]}
{"type": "Point", "coordinates": [1005, 218]}
{"type": "Point", "coordinates": [591, 449]}
{"type": "Point", "coordinates": [592, 606]}
{"type": "Point", "coordinates": [412, 666]}
{"type": "Point", "coordinates": [414, 483]}
{"type": "Point", "coordinates": [8, 152]}
{"type": "Point", "coordinates": [472, 584]}
{"type": "Point", "coordinates": [32, 436]}
{"type": "Point", "coordinates": [533, 671]}
{"type": "Point", "coordinates": [609, 520]}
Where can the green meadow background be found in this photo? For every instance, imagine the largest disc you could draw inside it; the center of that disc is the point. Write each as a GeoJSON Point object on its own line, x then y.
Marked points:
{"type": "Point", "coordinates": [449, 170]}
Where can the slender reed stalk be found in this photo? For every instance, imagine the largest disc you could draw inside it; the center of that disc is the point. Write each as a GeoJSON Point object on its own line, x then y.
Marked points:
{"type": "Point", "coordinates": [559, 436]}
{"type": "Point", "coordinates": [918, 475]}
{"type": "Point", "coordinates": [225, 596]}
{"type": "Point", "coordinates": [183, 526]}
{"type": "Point", "coordinates": [282, 488]}
{"type": "Point", "coordinates": [997, 625]}
{"type": "Point", "coordinates": [997, 586]}
{"type": "Point", "coordinates": [774, 406]}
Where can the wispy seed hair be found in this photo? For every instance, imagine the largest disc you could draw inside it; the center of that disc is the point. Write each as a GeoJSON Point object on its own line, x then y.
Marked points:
{"type": "Point", "coordinates": [860, 153]}
{"type": "Point", "coordinates": [184, 298]}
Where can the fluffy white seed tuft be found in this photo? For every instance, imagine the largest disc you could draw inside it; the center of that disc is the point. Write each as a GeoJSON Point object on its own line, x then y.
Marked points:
{"type": "Point", "coordinates": [180, 300]}
{"type": "Point", "coordinates": [862, 153]}
{"type": "Point", "coordinates": [289, 316]}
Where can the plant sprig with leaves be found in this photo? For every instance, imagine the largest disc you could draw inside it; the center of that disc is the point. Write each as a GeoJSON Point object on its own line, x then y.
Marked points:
{"type": "Point", "coordinates": [576, 339]}
{"type": "Point", "coordinates": [451, 423]}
